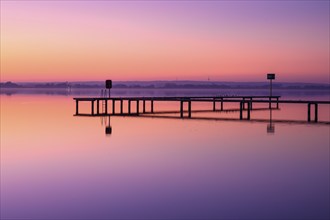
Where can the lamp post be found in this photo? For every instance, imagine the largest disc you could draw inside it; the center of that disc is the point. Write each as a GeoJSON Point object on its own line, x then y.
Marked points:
{"type": "Point", "coordinates": [270, 76]}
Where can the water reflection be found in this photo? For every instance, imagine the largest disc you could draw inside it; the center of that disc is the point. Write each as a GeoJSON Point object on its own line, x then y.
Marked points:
{"type": "Point", "coordinates": [106, 123]}
{"type": "Point", "coordinates": [271, 125]}
{"type": "Point", "coordinates": [210, 116]}
{"type": "Point", "coordinates": [159, 166]}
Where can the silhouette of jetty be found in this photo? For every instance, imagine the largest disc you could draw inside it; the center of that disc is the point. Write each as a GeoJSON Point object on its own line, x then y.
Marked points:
{"type": "Point", "coordinates": [245, 104]}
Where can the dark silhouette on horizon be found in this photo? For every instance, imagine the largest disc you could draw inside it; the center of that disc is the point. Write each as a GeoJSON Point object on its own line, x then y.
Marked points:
{"type": "Point", "coordinates": [171, 85]}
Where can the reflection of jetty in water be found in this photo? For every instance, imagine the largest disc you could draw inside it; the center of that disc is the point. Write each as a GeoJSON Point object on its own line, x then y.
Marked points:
{"type": "Point", "coordinates": [245, 107]}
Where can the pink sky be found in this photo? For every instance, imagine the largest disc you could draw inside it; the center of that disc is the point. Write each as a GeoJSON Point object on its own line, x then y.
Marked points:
{"type": "Point", "coordinates": [185, 40]}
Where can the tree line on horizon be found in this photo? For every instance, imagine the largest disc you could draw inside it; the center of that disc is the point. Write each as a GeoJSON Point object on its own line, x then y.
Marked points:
{"type": "Point", "coordinates": [167, 85]}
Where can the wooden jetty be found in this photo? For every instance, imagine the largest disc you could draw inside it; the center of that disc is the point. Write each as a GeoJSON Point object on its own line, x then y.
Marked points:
{"type": "Point", "coordinates": [245, 104]}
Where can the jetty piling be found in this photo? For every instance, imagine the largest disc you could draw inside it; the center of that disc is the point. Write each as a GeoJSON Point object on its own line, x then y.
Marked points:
{"type": "Point", "coordinates": [309, 105]}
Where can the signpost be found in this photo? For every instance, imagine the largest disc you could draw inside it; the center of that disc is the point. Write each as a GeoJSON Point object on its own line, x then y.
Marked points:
{"type": "Point", "coordinates": [270, 76]}
{"type": "Point", "coordinates": [108, 85]}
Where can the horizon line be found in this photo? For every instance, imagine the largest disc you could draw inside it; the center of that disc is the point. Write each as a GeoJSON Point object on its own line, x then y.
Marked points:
{"type": "Point", "coordinates": [204, 81]}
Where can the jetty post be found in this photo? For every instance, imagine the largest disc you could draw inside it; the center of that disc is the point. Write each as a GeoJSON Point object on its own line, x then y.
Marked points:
{"type": "Point", "coordinates": [113, 106]}
{"type": "Point", "coordinates": [144, 105]}
{"type": "Point", "coordinates": [97, 106]}
{"type": "Point", "coordinates": [77, 107]}
{"type": "Point", "coordinates": [189, 108]}
{"type": "Point", "coordinates": [92, 107]}
{"type": "Point", "coordinates": [129, 106]}
{"type": "Point", "coordinates": [152, 106]}
{"type": "Point", "coordinates": [121, 106]}
{"type": "Point", "coordinates": [214, 104]}
{"type": "Point", "coordinates": [221, 106]}
{"type": "Point", "coordinates": [315, 112]}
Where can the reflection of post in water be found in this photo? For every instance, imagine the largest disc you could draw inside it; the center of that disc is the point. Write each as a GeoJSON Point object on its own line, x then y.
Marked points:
{"type": "Point", "coordinates": [270, 126]}
{"type": "Point", "coordinates": [106, 121]}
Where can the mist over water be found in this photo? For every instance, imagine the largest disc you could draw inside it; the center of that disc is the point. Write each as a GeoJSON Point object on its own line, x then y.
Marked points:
{"type": "Point", "coordinates": [286, 94]}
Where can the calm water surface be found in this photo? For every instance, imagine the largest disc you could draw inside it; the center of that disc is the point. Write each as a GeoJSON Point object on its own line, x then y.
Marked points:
{"type": "Point", "coordinates": [57, 166]}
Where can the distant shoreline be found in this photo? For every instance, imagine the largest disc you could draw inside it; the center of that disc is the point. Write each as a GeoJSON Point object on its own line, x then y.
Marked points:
{"type": "Point", "coordinates": [132, 88]}
{"type": "Point", "coordinates": [168, 85]}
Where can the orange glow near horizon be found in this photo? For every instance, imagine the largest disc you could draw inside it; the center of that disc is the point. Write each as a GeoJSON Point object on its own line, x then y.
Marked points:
{"type": "Point", "coordinates": [68, 41]}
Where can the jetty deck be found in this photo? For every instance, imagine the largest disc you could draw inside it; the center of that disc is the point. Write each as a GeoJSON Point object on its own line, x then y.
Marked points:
{"type": "Point", "coordinates": [100, 105]}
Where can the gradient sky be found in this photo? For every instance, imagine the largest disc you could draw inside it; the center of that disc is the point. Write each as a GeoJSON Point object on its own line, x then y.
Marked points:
{"type": "Point", "coordinates": [160, 40]}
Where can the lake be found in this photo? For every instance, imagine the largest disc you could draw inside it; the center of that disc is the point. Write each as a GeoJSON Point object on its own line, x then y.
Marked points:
{"type": "Point", "coordinates": [55, 165]}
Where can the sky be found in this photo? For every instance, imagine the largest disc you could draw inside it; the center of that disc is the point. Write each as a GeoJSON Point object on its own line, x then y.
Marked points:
{"type": "Point", "coordinates": [165, 40]}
